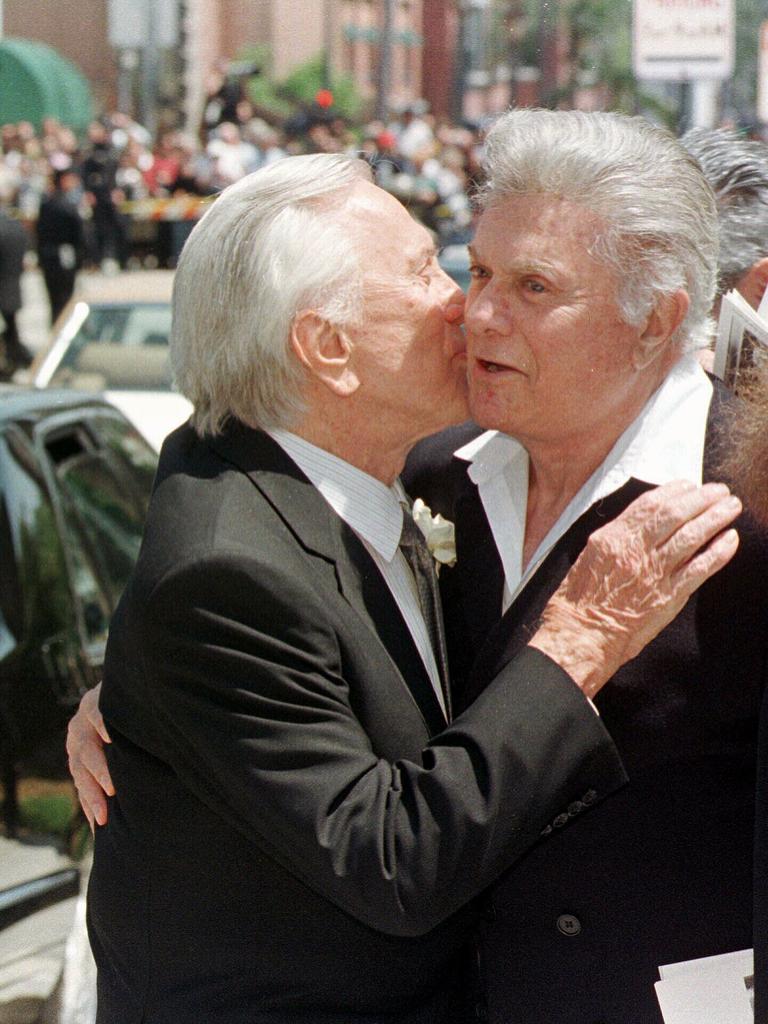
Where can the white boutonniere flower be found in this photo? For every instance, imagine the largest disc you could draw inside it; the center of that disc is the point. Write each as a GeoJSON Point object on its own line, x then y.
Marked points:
{"type": "Point", "coordinates": [439, 534]}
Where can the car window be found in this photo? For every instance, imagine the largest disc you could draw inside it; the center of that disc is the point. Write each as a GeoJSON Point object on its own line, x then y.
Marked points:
{"type": "Point", "coordinates": [104, 521]}
{"type": "Point", "coordinates": [119, 347]}
{"type": "Point", "coordinates": [31, 549]}
{"type": "Point", "coordinates": [131, 452]}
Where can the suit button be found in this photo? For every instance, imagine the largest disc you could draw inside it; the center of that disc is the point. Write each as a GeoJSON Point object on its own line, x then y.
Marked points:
{"type": "Point", "coordinates": [567, 924]}
{"type": "Point", "coordinates": [589, 797]}
{"type": "Point", "coordinates": [546, 830]}
{"type": "Point", "coordinates": [575, 808]}
{"type": "Point", "coordinates": [560, 820]}
{"type": "Point", "coordinates": [480, 1012]}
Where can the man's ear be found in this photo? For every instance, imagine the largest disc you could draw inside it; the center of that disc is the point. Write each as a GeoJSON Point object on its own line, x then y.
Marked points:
{"type": "Point", "coordinates": [326, 352]}
{"type": "Point", "coordinates": [666, 317]}
{"type": "Point", "coordinates": [753, 283]}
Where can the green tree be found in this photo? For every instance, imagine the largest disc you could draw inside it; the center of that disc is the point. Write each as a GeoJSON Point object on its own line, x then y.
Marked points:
{"type": "Point", "coordinates": [303, 84]}
{"type": "Point", "coordinates": [278, 100]}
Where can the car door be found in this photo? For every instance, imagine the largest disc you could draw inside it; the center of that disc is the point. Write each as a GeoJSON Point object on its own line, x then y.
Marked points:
{"type": "Point", "coordinates": [73, 495]}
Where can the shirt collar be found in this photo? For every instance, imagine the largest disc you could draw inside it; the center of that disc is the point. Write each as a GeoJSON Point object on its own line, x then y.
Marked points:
{"type": "Point", "coordinates": [368, 506]}
{"type": "Point", "coordinates": [665, 442]}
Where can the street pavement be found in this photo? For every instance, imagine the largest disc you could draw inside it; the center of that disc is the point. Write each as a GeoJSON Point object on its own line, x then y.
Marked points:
{"type": "Point", "coordinates": [33, 950]}
{"type": "Point", "coordinates": [35, 314]}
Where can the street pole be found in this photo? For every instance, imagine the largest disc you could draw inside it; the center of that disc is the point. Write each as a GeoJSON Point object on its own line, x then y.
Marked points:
{"type": "Point", "coordinates": [328, 43]}
{"type": "Point", "coordinates": [150, 69]}
{"type": "Point", "coordinates": [384, 76]}
{"type": "Point", "coordinates": [547, 45]}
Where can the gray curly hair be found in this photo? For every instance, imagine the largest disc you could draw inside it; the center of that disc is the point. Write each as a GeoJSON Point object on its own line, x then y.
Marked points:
{"type": "Point", "coordinates": [737, 170]}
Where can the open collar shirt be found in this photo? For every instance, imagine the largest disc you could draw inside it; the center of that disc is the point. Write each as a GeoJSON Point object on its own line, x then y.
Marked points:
{"type": "Point", "coordinates": [374, 512]}
{"type": "Point", "coordinates": [665, 442]}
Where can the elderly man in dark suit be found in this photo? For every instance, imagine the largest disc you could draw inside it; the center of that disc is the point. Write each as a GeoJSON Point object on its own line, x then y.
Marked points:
{"type": "Point", "coordinates": [593, 272]}
{"type": "Point", "coordinates": [299, 828]}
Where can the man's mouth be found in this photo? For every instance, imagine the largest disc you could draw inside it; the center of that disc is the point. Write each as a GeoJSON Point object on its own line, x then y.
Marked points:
{"type": "Point", "coordinates": [490, 367]}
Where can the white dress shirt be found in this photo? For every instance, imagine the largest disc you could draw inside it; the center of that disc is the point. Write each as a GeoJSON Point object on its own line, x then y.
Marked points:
{"type": "Point", "coordinates": [375, 513]}
{"type": "Point", "coordinates": [664, 443]}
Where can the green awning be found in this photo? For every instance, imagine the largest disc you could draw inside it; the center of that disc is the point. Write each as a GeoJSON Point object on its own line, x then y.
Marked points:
{"type": "Point", "coordinates": [37, 82]}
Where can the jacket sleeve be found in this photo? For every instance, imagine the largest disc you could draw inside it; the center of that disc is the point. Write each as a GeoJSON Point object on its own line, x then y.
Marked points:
{"type": "Point", "coordinates": [253, 706]}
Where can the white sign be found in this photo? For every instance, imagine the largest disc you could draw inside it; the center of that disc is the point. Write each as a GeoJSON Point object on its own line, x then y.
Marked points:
{"type": "Point", "coordinates": [132, 23]}
{"type": "Point", "coordinates": [679, 40]}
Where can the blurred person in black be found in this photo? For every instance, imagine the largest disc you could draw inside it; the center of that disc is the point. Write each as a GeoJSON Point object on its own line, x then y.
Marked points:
{"type": "Point", "coordinates": [60, 241]}
{"type": "Point", "coordinates": [99, 176]}
{"type": "Point", "coordinates": [14, 242]}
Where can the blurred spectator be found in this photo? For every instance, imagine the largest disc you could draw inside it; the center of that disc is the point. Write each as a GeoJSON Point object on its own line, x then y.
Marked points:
{"type": "Point", "coordinates": [14, 242]}
{"type": "Point", "coordinates": [224, 92]}
{"type": "Point", "coordinates": [163, 172]}
{"type": "Point", "coordinates": [414, 132]}
{"type": "Point", "coordinates": [60, 241]}
{"type": "Point", "coordinates": [99, 174]}
{"type": "Point", "coordinates": [231, 157]}
{"type": "Point", "coordinates": [269, 142]}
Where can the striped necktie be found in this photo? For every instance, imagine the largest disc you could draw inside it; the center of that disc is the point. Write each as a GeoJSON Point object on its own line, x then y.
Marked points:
{"type": "Point", "coordinates": [414, 547]}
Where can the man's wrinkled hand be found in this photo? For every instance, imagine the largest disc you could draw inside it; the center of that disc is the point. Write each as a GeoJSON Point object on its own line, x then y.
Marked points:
{"type": "Point", "coordinates": [86, 737]}
{"type": "Point", "coordinates": [634, 576]}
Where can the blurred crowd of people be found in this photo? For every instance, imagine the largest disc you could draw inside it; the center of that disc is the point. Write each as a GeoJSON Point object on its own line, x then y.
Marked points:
{"type": "Point", "coordinates": [118, 164]}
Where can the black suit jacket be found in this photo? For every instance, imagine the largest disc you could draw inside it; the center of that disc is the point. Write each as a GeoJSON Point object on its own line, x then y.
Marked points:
{"type": "Point", "coordinates": [662, 871]}
{"type": "Point", "coordinates": [297, 833]}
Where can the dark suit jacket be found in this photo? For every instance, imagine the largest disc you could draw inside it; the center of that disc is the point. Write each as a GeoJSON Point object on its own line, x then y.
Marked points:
{"type": "Point", "coordinates": [287, 843]}
{"type": "Point", "coordinates": [662, 871]}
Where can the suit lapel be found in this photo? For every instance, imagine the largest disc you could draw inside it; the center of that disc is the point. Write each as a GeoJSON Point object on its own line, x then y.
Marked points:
{"type": "Point", "coordinates": [321, 532]}
{"type": "Point", "coordinates": [479, 574]}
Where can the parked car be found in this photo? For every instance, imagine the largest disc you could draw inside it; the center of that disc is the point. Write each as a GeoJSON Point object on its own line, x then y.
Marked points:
{"type": "Point", "coordinates": [113, 338]}
{"type": "Point", "coordinates": [75, 479]}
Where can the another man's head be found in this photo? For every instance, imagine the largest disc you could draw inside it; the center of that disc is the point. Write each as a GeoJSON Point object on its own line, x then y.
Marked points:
{"type": "Point", "coordinates": [308, 295]}
{"type": "Point", "coordinates": [593, 270]}
{"type": "Point", "coordinates": [737, 170]}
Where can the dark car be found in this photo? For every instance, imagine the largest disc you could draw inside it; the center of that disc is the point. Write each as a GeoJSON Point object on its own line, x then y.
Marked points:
{"type": "Point", "coordinates": [75, 478]}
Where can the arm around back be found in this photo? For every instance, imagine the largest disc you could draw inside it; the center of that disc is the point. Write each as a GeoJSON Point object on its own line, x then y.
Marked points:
{"type": "Point", "coordinates": [260, 692]}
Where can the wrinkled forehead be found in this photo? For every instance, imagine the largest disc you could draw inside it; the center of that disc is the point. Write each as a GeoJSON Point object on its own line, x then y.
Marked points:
{"type": "Point", "coordinates": [387, 238]}
{"type": "Point", "coordinates": [550, 212]}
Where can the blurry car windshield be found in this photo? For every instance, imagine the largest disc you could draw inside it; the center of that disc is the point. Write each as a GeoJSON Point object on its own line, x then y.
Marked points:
{"type": "Point", "coordinates": [119, 347]}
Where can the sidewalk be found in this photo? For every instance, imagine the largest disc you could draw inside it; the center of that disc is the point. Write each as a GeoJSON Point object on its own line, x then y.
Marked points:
{"type": "Point", "coordinates": [31, 951]}
{"type": "Point", "coordinates": [34, 316]}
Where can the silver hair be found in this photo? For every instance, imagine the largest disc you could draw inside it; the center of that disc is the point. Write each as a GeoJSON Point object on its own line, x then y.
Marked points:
{"type": "Point", "coordinates": [271, 245]}
{"type": "Point", "coordinates": [737, 170]}
{"type": "Point", "coordinates": [658, 214]}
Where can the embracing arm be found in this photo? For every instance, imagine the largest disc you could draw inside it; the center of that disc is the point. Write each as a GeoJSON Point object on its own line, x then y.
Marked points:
{"type": "Point", "coordinates": [258, 721]}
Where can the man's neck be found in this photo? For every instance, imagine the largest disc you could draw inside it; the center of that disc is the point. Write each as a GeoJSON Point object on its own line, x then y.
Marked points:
{"type": "Point", "coordinates": [552, 484]}
{"type": "Point", "coordinates": [370, 454]}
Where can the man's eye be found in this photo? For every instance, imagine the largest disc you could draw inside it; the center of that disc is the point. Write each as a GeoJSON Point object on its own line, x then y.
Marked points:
{"type": "Point", "coordinates": [534, 286]}
{"type": "Point", "coordinates": [476, 271]}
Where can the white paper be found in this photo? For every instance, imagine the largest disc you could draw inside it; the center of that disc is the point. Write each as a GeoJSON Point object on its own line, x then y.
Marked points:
{"type": "Point", "coordinates": [712, 990]}
{"type": "Point", "coordinates": [742, 335]}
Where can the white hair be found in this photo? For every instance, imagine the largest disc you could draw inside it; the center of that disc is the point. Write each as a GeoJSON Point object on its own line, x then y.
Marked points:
{"type": "Point", "coordinates": [659, 221]}
{"type": "Point", "coordinates": [271, 245]}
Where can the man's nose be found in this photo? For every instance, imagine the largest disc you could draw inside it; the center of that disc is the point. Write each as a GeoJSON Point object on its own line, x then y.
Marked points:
{"type": "Point", "coordinates": [487, 310]}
